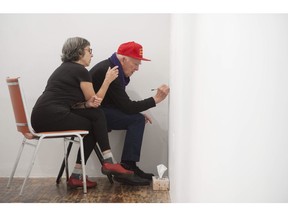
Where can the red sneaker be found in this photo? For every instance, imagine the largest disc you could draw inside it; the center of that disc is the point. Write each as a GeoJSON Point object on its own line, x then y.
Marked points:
{"type": "Point", "coordinates": [115, 169]}
{"type": "Point", "coordinates": [75, 183]}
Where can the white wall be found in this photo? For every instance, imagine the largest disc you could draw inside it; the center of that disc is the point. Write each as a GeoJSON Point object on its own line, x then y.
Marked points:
{"type": "Point", "coordinates": [31, 47]}
{"type": "Point", "coordinates": [228, 108]}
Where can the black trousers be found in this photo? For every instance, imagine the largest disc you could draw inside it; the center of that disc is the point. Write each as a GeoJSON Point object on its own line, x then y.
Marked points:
{"type": "Point", "coordinates": [92, 120]}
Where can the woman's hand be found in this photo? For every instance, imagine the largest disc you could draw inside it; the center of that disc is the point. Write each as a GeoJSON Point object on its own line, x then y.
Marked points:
{"type": "Point", "coordinates": [93, 102]}
{"type": "Point", "coordinates": [111, 74]}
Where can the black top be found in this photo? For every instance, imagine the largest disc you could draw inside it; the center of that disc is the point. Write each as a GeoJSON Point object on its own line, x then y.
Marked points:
{"type": "Point", "coordinates": [116, 95]}
{"type": "Point", "coordinates": [63, 87]}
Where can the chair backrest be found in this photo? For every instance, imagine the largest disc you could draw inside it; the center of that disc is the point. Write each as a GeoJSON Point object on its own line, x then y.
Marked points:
{"type": "Point", "coordinates": [19, 107]}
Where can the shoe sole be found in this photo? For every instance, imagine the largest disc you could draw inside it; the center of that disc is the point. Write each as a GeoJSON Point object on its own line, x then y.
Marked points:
{"type": "Point", "coordinates": [78, 187]}
{"type": "Point", "coordinates": [129, 182]}
{"type": "Point", "coordinates": [74, 187]}
{"type": "Point", "coordinates": [144, 177]}
{"type": "Point", "coordinates": [109, 172]}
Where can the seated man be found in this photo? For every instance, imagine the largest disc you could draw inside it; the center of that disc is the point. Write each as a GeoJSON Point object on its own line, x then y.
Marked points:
{"type": "Point", "coordinates": [123, 113]}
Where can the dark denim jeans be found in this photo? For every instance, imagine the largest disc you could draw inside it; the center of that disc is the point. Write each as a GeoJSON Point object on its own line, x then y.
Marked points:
{"type": "Point", "coordinates": [134, 124]}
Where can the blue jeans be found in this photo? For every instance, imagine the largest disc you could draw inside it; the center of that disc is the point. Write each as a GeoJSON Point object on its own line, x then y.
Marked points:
{"type": "Point", "coordinates": [134, 124]}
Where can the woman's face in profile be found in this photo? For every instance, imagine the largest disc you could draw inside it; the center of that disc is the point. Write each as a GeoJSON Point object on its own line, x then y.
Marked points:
{"type": "Point", "coordinates": [86, 58]}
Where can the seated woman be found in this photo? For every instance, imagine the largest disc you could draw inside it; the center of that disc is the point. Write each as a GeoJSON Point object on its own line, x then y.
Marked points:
{"type": "Point", "coordinates": [69, 102]}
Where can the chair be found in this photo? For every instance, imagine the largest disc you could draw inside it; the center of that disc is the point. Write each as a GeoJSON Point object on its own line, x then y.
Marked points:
{"type": "Point", "coordinates": [31, 138]}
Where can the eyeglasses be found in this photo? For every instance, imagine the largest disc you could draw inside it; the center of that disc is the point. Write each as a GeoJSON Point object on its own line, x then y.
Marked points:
{"type": "Point", "coordinates": [89, 50]}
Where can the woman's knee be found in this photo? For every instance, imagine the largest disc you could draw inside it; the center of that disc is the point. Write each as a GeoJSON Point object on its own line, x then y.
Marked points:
{"type": "Point", "coordinates": [94, 114]}
{"type": "Point", "coordinates": [99, 115]}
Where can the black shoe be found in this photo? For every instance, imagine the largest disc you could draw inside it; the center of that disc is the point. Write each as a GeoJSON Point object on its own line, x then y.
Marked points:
{"type": "Point", "coordinates": [133, 180]}
{"type": "Point", "coordinates": [138, 171]}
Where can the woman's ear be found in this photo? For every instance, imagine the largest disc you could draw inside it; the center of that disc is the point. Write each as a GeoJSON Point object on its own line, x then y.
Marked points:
{"type": "Point", "coordinates": [80, 53]}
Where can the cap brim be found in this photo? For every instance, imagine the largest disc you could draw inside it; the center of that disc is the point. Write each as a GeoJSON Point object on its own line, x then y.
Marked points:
{"type": "Point", "coordinates": [131, 56]}
{"type": "Point", "coordinates": [143, 59]}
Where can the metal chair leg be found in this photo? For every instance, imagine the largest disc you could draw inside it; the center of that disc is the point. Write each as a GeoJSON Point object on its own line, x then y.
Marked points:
{"type": "Point", "coordinates": [31, 163]}
{"type": "Point", "coordinates": [16, 162]}
{"type": "Point", "coordinates": [63, 163]}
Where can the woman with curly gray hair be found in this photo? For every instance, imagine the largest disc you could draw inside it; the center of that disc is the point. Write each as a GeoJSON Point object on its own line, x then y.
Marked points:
{"type": "Point", "coordinates": [69, 102]}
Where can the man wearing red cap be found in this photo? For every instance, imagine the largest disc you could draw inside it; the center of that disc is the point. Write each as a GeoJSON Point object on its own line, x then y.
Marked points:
{"type": "Point", "coordinates": [121, 112]}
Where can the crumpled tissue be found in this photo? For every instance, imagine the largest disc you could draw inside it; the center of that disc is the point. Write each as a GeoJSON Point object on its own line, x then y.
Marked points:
{"type": "Point", "coordinates": [161, 170]}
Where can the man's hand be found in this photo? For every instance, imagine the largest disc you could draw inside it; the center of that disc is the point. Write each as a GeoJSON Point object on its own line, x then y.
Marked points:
{"type": "Point", "coordinates": [162, 93]}
{"type": "Point", "coordinates": [147, 118]}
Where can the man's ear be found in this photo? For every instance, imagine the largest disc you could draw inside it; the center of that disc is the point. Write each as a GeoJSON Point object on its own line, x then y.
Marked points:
{"type": "Point", "coordinates": [124, 59]}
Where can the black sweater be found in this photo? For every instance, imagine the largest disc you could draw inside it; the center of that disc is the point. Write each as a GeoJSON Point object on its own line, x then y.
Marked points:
{"type": "Point", "coordinates": [116, 95]}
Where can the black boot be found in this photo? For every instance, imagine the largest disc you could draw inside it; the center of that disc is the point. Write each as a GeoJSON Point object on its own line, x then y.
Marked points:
{"type": "Point", "coordinates": [131, 165]}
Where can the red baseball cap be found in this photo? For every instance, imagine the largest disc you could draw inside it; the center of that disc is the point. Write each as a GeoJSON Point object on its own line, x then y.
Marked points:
{"type": "Point", "coordinates": [132, 49]}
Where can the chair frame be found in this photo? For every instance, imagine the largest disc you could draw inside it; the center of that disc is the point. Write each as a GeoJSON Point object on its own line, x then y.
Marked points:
{"type": "Point", "coordinates": [24, 126]}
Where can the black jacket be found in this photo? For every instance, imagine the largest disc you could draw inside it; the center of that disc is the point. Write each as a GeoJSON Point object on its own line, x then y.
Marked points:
{"type": "Point", "coordinates": [116, 95]}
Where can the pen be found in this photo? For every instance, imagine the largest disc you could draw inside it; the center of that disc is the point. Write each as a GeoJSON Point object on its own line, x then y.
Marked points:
{"type": "Point", "coordinates": [153, 89]}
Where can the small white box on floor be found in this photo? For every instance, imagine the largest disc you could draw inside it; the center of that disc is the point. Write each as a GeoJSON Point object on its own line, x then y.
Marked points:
{"type": "Point", "coordinates": [160, 183]}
